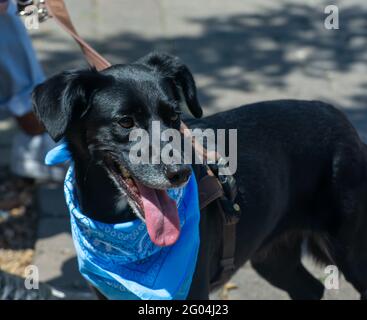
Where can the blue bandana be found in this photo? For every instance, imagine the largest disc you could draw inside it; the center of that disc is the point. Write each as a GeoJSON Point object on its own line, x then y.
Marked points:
{"type": "Point", "coordinates": [120, 259]}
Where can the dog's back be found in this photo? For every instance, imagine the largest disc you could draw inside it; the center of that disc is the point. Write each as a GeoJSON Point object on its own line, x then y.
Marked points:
{"type": "Point", "coordinates": [301, 172]}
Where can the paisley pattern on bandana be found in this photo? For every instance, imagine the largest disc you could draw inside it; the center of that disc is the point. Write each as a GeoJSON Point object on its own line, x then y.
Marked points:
{"type": "Point", "coordinates": [122, 261]}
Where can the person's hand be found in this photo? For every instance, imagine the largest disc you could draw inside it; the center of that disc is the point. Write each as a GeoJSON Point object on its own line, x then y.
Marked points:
{"type": "Point", "coordinates": [30, 124]}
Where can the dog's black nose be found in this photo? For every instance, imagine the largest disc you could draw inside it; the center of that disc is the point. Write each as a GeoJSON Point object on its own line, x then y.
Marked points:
{"type": "Point", "coordinates": [178, 175]}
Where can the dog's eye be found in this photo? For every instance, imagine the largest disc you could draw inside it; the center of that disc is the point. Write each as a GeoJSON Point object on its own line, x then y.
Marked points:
{"type": "Point", "coordinates": [126, 122]}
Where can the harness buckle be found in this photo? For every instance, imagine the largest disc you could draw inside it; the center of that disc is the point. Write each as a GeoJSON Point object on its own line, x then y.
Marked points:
{"type": "Point", "coordinates": [227, 264]}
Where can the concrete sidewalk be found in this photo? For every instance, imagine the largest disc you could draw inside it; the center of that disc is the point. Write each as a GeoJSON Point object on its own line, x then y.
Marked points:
{"type": "Point", "coordinates": [54, 252]}
{"type": "Point", "coordinates": [240, 51]}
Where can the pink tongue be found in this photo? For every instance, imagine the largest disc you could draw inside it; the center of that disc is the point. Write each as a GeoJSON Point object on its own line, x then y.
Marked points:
{"type": "Point", "coordinates": [161, 215]}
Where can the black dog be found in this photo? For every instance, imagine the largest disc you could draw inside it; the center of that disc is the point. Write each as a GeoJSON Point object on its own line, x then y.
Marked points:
{"type": "Point", "coordinates": [302, 169]}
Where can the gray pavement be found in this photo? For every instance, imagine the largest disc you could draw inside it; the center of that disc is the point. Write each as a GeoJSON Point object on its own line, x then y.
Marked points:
{"type": "Point", "coordinates": [240, 51]}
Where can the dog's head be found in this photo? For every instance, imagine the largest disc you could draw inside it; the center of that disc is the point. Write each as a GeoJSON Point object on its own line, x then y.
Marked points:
{"type": "Point", "coordinates": [97, 111]}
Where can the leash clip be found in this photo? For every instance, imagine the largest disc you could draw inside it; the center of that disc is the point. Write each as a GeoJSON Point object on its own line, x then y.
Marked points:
{"type": "Point", "coordinates": [231, 209]}
{"type": "Point", "coordinates": [28, 8]}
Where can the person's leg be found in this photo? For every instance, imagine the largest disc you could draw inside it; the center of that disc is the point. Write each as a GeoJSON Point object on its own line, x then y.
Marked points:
{"type": "Point", "coordinates": [20, 73]}
{"type": "Point", "coordinates": [19, 68]}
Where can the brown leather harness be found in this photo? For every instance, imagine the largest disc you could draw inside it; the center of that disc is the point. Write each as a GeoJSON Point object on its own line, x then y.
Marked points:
{"type": "Point", "coordinates": [212, 187]}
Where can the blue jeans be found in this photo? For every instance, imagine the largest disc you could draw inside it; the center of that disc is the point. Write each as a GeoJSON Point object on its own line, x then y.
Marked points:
{"type": "Point", "coordinates": [20, 71]}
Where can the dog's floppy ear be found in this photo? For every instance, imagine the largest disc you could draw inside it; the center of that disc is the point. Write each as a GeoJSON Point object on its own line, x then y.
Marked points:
{"type": "Point", "coordinates": [172, 67]}
{"type": "Point", "coordinates": [65, 97]}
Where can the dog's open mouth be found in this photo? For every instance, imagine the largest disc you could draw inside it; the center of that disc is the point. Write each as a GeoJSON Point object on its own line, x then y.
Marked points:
{"type": "Point", "coordinates": [154, 206]}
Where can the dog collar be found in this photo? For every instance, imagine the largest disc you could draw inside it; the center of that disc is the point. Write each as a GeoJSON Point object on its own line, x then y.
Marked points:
{"type": "Point", "coordinates": [120, 260]}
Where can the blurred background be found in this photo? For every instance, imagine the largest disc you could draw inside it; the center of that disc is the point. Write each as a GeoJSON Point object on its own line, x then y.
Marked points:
{"type": "Point", "coordinates": [240, 51]}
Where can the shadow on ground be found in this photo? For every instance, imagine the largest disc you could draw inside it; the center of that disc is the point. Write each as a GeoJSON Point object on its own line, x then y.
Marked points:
{"type": "Point", "coordinates": [271, 44]}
